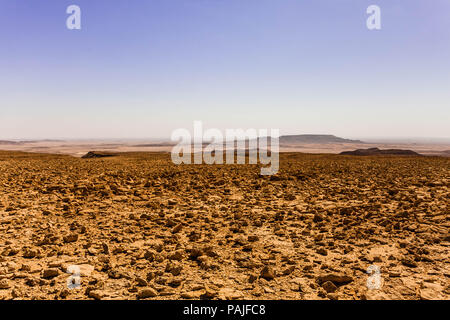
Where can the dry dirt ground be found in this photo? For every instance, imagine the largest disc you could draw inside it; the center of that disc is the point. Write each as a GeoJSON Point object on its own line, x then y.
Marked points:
{"type": "Point", "coordinates": [138, 227]}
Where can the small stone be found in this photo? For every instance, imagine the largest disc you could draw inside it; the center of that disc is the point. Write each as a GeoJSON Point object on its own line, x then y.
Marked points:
{"type": "Point", "coordinates": [70, 238]}
{"type": "Point", "coordinates": [177, 255]}
{"type": "Point", "coordinates": [64, 293]}
{"type": "Point", "coordinates": [50, 273]}
{"type": "Point", "coordinates": [166, 292]}
{"type": "Point", "coordinates": [150, 255]}
{"type": "Point", "coordinates": [333, 296]}
{"type": "Point", "coordinates": [377, 259]}
{"type": "Point", "coordinates": [429, 294]}
{"type": "Point", "coordinates": [318, 217]}
{"type": "Point", "coordinates": [30, 252]}
{"type": "Point", "coordinates": [409, 263]}
{"type": "Point", "coordinates": [150, 276]}
{"type": "Point", "coordinates": [96, 294]}
{"type": "Point", "coordinates": [141, 282]}
{"type": "Point", "coordinates": [177, 228]}
{"type": "Point", "coordinates": [209, 293]}
{"type": "Point", "coordinates": [322, 293]}
{"type": "Point", "coordinates": [174, 269]}
{"type": "Point", "coordinates": [4, 284]}
{"type": "Point", "coordinates": [147, 293]}
{"type": "Point", "coordinates": [394, 274]}
{"type": "Point", "coordinates": [191, 295]}
{"type": "Point", "coordinates": [56, 264]}
{"type": "Point", "coordinates": [335, 278]}
{"type": "Point", "coordinates": [329, 287]}
{"type": "Point", "coordinates": [268, 290]}
{"type": "Point", "coordinates": [230, 294]}
{"type": "Point", "coordinates": [31, 282]}
{"type": "Point", "coordinates": [172, 202]}
{"type": "Point", "coordinates": [17, 293]}
{"type": "Point", "coordinates": [252, 278]}
{"type": "Point", "coordinates": [308, 267]}
{"type": "Point", "coordinates": [268, 273]}
{"type": "Point", "coordinates": [288, 270]}
{"type": "Point", "coordinates": [175, 282]}
{"type": "Point", "coordinates": [85, 269]}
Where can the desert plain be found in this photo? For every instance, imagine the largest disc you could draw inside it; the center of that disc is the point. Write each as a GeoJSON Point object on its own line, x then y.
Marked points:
{"type": "Point", "coordinates": [136, 226]}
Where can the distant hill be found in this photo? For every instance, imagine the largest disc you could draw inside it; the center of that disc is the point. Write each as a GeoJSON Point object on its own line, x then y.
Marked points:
{"type": "Point", "coordinates": [376, 151]}
{"type": "Point", "coordinates": [43, 140]}
{"type": "Point", "coordinates": [315, 138]}
{"type": "Point", "coordinates": [9, 142]}
{"type": "Point", "coordinates": [97, 154]}
{"type": "Point", "coordinates": [6, 142]}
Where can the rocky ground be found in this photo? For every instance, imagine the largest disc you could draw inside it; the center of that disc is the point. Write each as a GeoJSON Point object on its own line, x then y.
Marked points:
{"type": "Point", "coordinates": [138, 227]}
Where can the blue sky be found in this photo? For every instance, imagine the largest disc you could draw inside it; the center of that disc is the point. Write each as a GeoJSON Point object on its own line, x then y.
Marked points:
{"type": "Point", "coordinates": [144, 68]}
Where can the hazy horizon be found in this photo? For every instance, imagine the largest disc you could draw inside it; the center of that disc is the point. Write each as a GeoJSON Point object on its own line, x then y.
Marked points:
{"type": "Point", "coordinates": [142, 69]}
{"type": "Point", "coordinates": [379, 139]}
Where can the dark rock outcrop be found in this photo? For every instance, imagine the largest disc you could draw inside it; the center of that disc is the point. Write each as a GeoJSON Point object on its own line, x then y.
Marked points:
{"type": "Point", "coordinates": [97, 154]}
{"type": "Point", "coordinates": [376, 151]}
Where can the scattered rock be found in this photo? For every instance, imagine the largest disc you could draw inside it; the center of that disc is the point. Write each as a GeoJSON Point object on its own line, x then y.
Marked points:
{"type": "Point", "coordinates": [329, 286]}
{"type": "Point", "coordinates": [70, 238]}
{"type": "Point", "coordinates": [191, 295]}
{"type": "Point", "coordinates": [30, 252]}
{"type": "Point", "coordinates": [136, 222]}
{"type": "Point", "coordinates": [147, 293]}
{"type": "Point", "coordinates": [96, 294]}
{"type": "Point", "coordinates": [4, 284]}
{"type": "Point", "coordinates": [337, 279]}
{"type": "Point", "coordinates": [409, 263]}
{"type": "Point", "coordinates": [267, 273]}
{"type": "Point", "coordinates": [50, 273]}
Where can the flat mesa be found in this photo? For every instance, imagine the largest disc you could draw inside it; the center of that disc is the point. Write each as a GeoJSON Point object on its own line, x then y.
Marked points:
{"type": "Point", "coordinates": [376, 151]}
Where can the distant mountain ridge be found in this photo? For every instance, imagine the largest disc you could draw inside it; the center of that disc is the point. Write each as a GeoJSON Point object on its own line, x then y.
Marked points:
{"type": "Point", "coordinates": [7, 142]}
{"type": "Point", "coordinates": [11, 142]}
{"type": "Point", "coordinates": [286, 140]}
{"type": "Point", "coordinates": [315, 138]}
